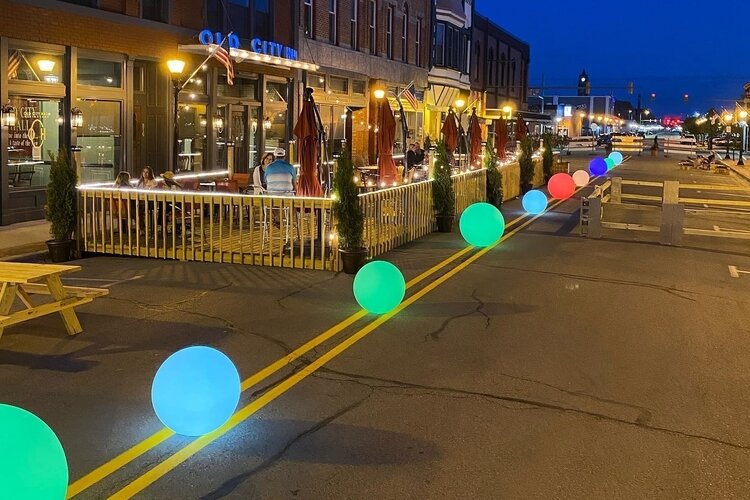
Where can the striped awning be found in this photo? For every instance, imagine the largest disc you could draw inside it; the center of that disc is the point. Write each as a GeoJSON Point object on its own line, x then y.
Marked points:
{"type": "Point", "coordinates": [441, 96]}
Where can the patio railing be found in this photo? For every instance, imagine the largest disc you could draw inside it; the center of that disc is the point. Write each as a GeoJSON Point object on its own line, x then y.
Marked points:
{"type": "Point", "coordinates": [208, 227]}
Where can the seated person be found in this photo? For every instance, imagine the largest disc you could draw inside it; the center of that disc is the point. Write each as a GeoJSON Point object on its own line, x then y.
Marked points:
{"type": "Point", "coordinates": [259, 173]}
{"type": "Point", "coordinates": [281, 177]}
{"type": "Point", "coordinates": [169, 181]}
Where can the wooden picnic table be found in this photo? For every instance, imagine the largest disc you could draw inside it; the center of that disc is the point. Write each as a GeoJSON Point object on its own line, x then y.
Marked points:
{"type": "Point", "coordinates": [21, 280]}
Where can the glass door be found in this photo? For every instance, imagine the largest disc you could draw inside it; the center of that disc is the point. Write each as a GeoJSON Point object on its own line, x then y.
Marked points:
{"type": "Point", "coordinates": [238, 137]}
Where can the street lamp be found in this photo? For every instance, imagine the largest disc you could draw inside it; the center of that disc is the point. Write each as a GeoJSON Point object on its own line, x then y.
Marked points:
{"type": "Point", "coordinates": [379, 93]}
{"type": "Point", "coordinates": [728, 117]}
{"type": "Point", "coordinates": [507, 112]}
{"type": "Point", "coordinates": [743, 123]}
{"type": "Point", "coordinates": [460, 103]}
{"type": "Point", "coordinates": [176, 68]}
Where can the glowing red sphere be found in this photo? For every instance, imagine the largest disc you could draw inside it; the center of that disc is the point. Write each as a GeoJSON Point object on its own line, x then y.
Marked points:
{"type": "Point", "coordinates": [561, 186]}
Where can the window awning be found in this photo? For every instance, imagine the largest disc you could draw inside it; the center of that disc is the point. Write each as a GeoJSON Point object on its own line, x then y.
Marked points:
{"type": "Point", "coordinates": [242, 55]}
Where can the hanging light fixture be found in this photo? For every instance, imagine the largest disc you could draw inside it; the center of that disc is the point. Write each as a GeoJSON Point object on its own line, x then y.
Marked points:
{"type": "Point", "coordinates": [76, 118]}
{"type": "Point", "coordinates": [254, 125]}
{"type": "Point", "coordinates": [267, 123]}
{"type": "Point", "coordinates": [8, 115]}
{"type": "Point", "coordinates": [219, 122]}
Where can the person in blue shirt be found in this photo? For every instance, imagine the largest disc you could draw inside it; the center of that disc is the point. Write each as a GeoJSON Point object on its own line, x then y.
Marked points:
{"type": "Point", "coordinates": [281, 177]}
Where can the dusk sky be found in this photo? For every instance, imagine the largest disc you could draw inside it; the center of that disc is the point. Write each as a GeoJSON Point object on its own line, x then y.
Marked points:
{"type": "Point", "coordinates": [663, 46]}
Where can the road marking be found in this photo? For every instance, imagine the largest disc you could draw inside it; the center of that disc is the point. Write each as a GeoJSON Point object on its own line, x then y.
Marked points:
{"type": "Point", "coordinates": [735, 273]}
{"type": "Point", "coordinates": [154, 440]}
{"type": "Point", "coordinates": [163, 468]}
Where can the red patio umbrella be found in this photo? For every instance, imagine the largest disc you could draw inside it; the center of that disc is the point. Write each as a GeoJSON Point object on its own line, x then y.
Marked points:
{"type": "Point", "coordinates": [501, 137]}
{"type": "Point", "coordinates": [521, 129]}
{"type": "Point", "coordinates": [307, 134]}
{"type": "Point", "coordinates": [450, 131]}
{"type": "Point", "coordinates": [386, 135]}
{"type": "Point", "coordinates": [475, 142]}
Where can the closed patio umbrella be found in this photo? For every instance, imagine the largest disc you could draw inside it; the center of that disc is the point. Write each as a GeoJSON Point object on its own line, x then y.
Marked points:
{"type": "Point", "coordinates": [386, 135]}
{"type": "Point", "coordinates": [501, 137]}
{"type": "Point", "coordinates": [450, 131]}
{"type": "Point", "coordinates": [475, 142]}
{"type": "Point", "coordinates": [521, 129]}
{"type": "Point", "coordinates": [308, 135]}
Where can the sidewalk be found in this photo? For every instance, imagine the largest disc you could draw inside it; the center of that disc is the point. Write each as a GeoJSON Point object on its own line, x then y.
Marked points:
{"type": "Point", "coordinates": [22, 239]}
{"type": "Point", "coordinates": [741, 170]}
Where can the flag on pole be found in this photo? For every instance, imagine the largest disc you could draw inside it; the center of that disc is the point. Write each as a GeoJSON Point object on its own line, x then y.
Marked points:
{"type": "Point", "coordinates": [222, 55]}
{"type": "Point", "coordinates": [408, 93]}
{"type": "Point", "coordinates": [14, 62]}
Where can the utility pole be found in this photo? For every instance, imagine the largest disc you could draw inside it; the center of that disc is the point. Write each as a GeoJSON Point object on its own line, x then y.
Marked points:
{"type": "Point", "coordinates": [638, 109]}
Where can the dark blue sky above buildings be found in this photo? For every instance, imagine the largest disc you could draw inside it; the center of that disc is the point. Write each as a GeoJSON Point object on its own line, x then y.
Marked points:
{"type": "Point", "coordinates": [669, 47]}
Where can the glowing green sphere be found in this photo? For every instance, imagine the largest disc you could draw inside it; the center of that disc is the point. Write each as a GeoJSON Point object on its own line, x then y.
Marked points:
{"type": "Point", "coordinates": [482, 224]}
{"type": "Point", "coordinates": [379, 287]}
{"type": "Point", "coordinates": [610, 163]}
{"type": "Point", "coordinates": [32, 460]}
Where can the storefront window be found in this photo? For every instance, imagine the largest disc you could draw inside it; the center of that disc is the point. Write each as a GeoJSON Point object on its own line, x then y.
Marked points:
{"type": "Point", "coordinates": [276, 93]}
{"type": "Point", "coordinates": [99, 73]}
{"type": "Point", "coordinates": [276, 134]}
{"type": "Point", "coordinates": [359, 87]}
{"type": "Point", "coordinates": [196, 85]}
{"type": "Point", "coordinates": [36, 133]}
{"type": "Point", "coordinates": [243, 88]}
{"type": "Point", "coordinates": [316, 81]}
{"type": "Point", "coordinates": [339, 85]}
{"type": "Point", "coordinates": [33, 66]}
{"type": "Point", "coordinates": [192, 122]}
{"type": "Point", "coordinates": [100, 140]}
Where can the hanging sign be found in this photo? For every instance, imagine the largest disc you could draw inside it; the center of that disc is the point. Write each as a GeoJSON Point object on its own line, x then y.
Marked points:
{"type": "Point", "coordinates": [265, 47]}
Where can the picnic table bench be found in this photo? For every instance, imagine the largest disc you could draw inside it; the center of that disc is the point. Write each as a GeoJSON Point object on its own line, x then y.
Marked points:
{"type": "Point", "coordinates": [21, 280]}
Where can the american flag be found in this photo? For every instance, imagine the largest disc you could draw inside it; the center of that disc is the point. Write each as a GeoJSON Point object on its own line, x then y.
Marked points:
{"type": "Point", "coordinates": [14, 62]}
{"type": "Point", "coordinates": [222, 55]}
{"type": "Point", "coordinates": [408, 94]}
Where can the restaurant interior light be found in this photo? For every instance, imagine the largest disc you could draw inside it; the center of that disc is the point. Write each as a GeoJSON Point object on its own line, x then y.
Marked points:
{"type": "Point", "coordinates": [8, 116]}
{"type": "Point", "coordinates": [176, 66]}
{"type": "Point", "coordinates": [267, 123]}
{"type": "Point", "coordinates": [219, 123]}
{"type": "Point", "coordinates": [45, 65]}
{"type": "Point", "coordinates": [76, 118]}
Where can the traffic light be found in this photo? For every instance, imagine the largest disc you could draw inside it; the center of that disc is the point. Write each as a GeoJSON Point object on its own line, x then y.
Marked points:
{"type": "Point", "coordinates": [686, 98]}
{"type": "Point", "coordinates": [653, 96]}
{"type": "Point", "coordinates": [631, 87]}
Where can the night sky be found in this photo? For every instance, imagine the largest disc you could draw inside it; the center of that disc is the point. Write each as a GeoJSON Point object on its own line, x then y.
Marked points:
{"type": "Point", "coordinates": [668, 47]}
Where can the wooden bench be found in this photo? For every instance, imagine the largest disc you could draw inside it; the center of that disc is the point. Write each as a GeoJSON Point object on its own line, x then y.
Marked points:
{"type": "Point", "coordinates": [21, 281]}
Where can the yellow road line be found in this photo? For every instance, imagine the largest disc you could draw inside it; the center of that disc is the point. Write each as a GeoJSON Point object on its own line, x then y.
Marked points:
{"type": "Point", "coordinates": [163, 468]}
{"type": "Point", "coordinates": [151, 442]}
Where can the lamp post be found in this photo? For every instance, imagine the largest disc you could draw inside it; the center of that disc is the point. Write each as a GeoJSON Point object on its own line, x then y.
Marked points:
{"type": "Point", "coordinates": [176, 68]}
{"type": "Point", "coordinates": [743, 123]}
{"type": "Point", "coordinates": [728, 117]}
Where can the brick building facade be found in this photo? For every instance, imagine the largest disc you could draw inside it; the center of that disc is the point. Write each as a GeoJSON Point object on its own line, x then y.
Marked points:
{"type": "Point", "coordinates": [105, 60]}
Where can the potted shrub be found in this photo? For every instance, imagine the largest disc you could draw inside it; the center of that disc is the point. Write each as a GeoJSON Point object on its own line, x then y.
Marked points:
{"type": "Point", "coordinates": [443, 198]}
{"type": "Point", "coordinates": [494, 177]}
{"type": "Point", "coordinates": [61, 206]}
{"type": "Point", "coordinates": [547, 157]}
{"type": "Point", "coordinates": [348, 214]}
{"type": "Point", "coordinates": [526, 162]}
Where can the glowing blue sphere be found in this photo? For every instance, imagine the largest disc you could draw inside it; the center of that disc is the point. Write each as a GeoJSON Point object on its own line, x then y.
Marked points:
{"type": "Point", "coordinates": [598, 166]}
{"type": "Point", "coordinates": [481, 224]}
{"type": "Point", "coordinates": [534, 202]}
{"type": "Point", "coordinates": [616, 156]}
{"type": "Point", "coordinates": [32, 460]}
{"type": "Point", "coordinates": [379, 287]}
{"type": "Point", "coordinates": [195, 390]}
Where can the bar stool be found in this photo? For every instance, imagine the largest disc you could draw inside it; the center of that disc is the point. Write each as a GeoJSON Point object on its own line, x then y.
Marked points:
{"type": "Point", "coordinates": [284, 217]}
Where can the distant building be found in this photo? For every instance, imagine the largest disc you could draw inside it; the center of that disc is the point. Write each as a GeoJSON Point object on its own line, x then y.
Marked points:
{"type": "Point", "coordinates": [584, 84]}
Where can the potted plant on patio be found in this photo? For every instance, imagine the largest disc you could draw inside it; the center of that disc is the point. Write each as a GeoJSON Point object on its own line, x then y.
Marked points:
{"type": "Point", "coordinates": [348, 214]}
{"type": "Point", "coordinates": [61, 206]}
{"type": "Point", "coordinates": [494, 177]}
{"type": "Point", "coordinates": [443, 198]}
{"type": "Point", "coordinates": [526, 163]}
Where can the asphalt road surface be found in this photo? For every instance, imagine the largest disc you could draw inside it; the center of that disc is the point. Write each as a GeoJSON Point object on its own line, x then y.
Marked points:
{"type": "Point", "coordinates": [551, 366]}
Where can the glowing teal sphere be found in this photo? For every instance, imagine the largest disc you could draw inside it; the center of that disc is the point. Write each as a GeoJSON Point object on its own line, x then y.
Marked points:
{"type": "Point", "coordinates": [379, 287]}
{"type": "Point", "coordinates": [195, 390]}
{"type": "Point", "coordinates": [534, 202]}
{"type": "Point", "coordinates": [481, 224]}
{"type": "Point", "coordinates": [32, 460]}
{"type": "Point", "coordinates": [617, 157]}
{"type": "Point", "coordinates": [610, 163]}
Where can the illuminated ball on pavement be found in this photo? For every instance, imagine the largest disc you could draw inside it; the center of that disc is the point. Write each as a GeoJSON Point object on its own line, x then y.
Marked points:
{"type": "Point", "coordinates": [610, 163]}
{"type": "Point", "coordinates": [482, 224]}
{"type": "Point", "coordinates": [581, 178]}
{"type": "Point", "coordinates": [32, 460]}
{"type": "Point", "coordinates": [561, 186]}
{"type": "Point", "coordinates": [616, 156]}
{"type": "Point", "coordinates": [598, 166]}
{"type": "Point", "coordinates": [379, 287]}
{"type": "Point", "coordinates": [534, 202]}
{"type": "Point", "coordinates": [195, 390]}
